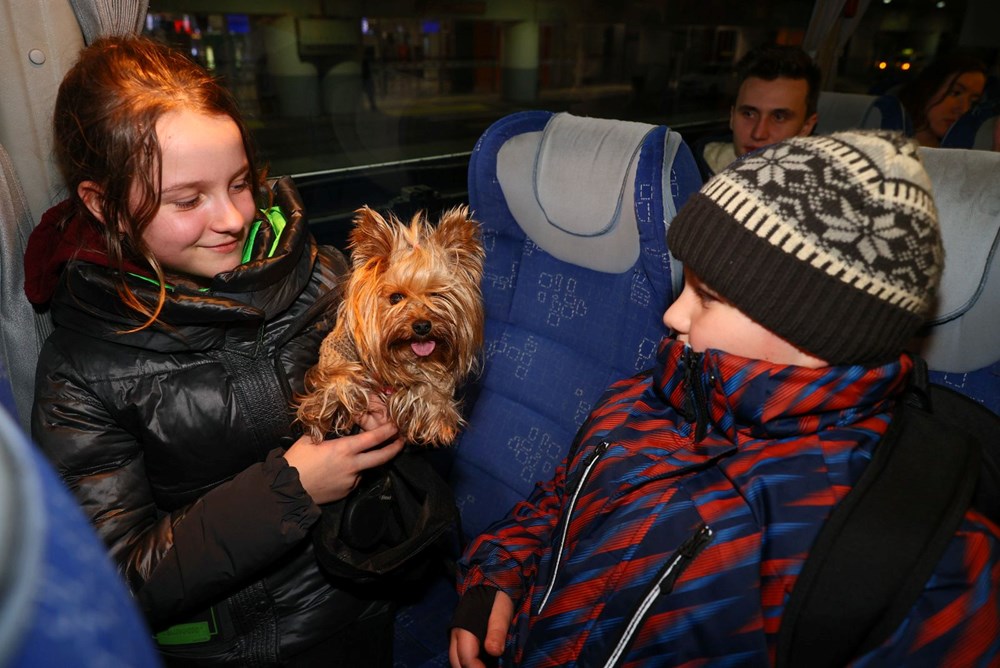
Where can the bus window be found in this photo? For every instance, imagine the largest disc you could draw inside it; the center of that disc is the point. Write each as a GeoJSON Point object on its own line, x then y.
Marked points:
{"type": "Point", "coordinates": [383, 105]}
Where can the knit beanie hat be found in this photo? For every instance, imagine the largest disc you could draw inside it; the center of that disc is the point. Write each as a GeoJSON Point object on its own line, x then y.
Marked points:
{"type": "Point", "coordinates": [831, 242]}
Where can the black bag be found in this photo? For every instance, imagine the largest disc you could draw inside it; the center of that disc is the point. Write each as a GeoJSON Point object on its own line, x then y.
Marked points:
{"type": "Point", "coordinates": [388, 524]}
{"type": "Point", "coordinates": [871, 560]}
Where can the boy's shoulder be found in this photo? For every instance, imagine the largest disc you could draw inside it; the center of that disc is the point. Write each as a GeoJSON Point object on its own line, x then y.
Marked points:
{"type": "Point", "coordinates": [872, 560]}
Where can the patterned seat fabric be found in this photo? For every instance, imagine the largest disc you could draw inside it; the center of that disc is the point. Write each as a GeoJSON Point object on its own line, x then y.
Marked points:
{"type": "Point", "coordinates": [558, 330]}
{"type": "Point", "coordinates": [574, 214]}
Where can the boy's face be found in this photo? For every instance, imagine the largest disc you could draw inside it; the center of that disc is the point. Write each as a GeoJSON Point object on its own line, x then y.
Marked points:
{"type": "Point", "coordinates": [703, 319]}
{"type": "Point", "coordinates": [769, 111]}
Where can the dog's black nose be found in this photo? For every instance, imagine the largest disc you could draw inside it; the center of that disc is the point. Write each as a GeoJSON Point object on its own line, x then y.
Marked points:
{"type": "Point", "coordinates": [422, 327]}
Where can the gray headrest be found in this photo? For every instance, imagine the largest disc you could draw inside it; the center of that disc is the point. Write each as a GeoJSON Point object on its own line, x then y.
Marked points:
{"type": "Point", "coordinates": [965, 325]}
{"type": "Point", "coordinates": [841, 111]}
{"type": "Point", "coordinates": [571, 189]}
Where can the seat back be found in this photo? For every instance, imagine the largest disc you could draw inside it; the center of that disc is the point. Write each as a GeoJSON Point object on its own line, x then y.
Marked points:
{"type": "Point", "coordinates": [973, 130]}
{"type": "Point", "coordinates": [962, 340]}
{"type": "Point", "coordinates": [574, 214]}
{"type": "Point", "coordinates": [843, 111]}
{"type": "Point", "coordinates": [63, 603]}
{"type": "Point", "coordinates": [887, 112]}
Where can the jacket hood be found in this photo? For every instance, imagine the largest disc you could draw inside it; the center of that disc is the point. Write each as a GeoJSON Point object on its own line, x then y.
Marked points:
{"type": "Point", "coordinates": [61, 236]}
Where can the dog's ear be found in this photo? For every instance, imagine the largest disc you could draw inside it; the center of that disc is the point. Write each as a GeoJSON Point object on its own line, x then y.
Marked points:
{"type": "Point", "coordinates": [371, 237]}
{"type": "Point", "coordinates": [459, 233]}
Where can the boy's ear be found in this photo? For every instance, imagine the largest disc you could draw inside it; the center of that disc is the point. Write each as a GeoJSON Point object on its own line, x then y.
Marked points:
{"type": "Point", "coordinates": [92, 196]}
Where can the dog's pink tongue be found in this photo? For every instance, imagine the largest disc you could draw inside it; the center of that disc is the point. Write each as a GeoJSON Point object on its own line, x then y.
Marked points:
{"type": "Point", "coordinates": [422, 348]}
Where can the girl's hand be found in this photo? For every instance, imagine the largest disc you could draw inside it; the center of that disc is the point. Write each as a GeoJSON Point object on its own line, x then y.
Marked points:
{"type": "Point", "coordinates": [331, 469]}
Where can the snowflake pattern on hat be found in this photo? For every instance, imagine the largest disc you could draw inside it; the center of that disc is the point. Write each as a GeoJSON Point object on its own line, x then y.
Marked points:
{"type": "Point", "coordinates": [854, 215]}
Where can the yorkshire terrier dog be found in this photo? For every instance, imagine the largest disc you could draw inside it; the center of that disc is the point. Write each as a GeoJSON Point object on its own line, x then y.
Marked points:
{"type": "Point", "coordinates": [409, 329]}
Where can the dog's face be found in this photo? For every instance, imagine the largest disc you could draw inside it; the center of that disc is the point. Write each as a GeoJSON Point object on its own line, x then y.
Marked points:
{"type": "Point", "coordinates": [414, 303]}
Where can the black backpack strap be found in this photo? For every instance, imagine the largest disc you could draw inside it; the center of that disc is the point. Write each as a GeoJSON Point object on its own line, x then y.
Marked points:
{"type": "Point", "coordinates": [882, 541]}
{"type": "Point", "coordinates": [985, 424]}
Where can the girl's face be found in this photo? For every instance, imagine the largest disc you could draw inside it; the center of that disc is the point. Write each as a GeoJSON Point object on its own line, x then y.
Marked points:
{"type": "Point", "coordinates": [953, 99]}
{"type": "Point", "coordinates": [207, 201]}
{"type": "Point", "coordinates": [702, 319]}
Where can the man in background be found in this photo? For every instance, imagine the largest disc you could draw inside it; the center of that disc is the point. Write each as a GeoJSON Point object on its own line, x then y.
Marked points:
{"type": "Point", "coordinates": [778, 88]}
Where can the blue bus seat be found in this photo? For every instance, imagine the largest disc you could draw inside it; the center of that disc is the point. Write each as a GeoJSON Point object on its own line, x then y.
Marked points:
{"type": "Point", "coordinates": [974, 130]}
{"type": "Point", "coordinates": [62, 602]}
{"type": "Point", "coordinates": [887, 113]}
{"type": "Point", "coordinates": [574, 213]}
{"type": "Point", "coordinates": [962, 340]}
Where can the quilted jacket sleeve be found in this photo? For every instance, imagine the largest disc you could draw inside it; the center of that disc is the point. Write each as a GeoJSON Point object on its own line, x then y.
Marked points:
{"type": "Point", "coordinates": [187, 557]}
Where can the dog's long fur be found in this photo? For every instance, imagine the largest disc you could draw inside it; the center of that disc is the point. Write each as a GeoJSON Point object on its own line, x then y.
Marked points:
{"type": "Point", "coordinates": [410, 328]}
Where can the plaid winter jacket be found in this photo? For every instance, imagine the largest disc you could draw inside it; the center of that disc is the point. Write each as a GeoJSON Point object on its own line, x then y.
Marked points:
{"type": "Point", "coordinates": [674, 532]}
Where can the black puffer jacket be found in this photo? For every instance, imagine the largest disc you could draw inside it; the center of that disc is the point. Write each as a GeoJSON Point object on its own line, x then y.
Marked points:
{"type": "Point", "coordinates": [171, 438]}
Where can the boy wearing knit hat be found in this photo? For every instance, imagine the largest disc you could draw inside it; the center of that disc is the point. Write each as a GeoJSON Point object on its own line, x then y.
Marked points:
{"type": "Point", "coordinates": [674, 532]}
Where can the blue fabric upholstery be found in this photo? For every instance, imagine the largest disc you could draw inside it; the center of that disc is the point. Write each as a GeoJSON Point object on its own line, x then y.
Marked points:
{"type": "Point", "coordinates": [63, 604]}
{"type": "Point", "coordinates": [557, 334]}
{"type": "Point", "coordinates": [973, 130]}
{"type": "Point", "coordinates": [886, 112]}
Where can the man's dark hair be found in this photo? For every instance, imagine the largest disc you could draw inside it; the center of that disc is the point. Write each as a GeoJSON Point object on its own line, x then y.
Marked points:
{"type": "Point", "coordinates": [771, 61]}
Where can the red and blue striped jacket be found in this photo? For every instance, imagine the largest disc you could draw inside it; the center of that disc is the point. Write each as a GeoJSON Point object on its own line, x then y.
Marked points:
{"type": "Point", "coordinates": [673, 533]}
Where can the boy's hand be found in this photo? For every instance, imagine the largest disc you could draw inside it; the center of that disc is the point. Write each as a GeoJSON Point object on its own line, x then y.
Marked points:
{"type": "Point", "coordinates": [464, 649]}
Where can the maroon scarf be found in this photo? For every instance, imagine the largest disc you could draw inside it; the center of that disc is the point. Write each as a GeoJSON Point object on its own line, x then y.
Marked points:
{"type": "Point", "coordinates": [50, 248]}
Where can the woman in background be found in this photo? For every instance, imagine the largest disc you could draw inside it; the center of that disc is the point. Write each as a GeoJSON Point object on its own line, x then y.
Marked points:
{"type": "Point", "coordinates": [941, 94]}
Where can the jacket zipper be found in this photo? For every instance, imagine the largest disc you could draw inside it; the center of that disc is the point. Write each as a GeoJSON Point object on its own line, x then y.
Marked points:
{"type": "Point", "coordinates": [588, 465]}
{"type": "Point", "coordinates": [691, 548]}
{"type": "Point", "coordinates": [696, 394]}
